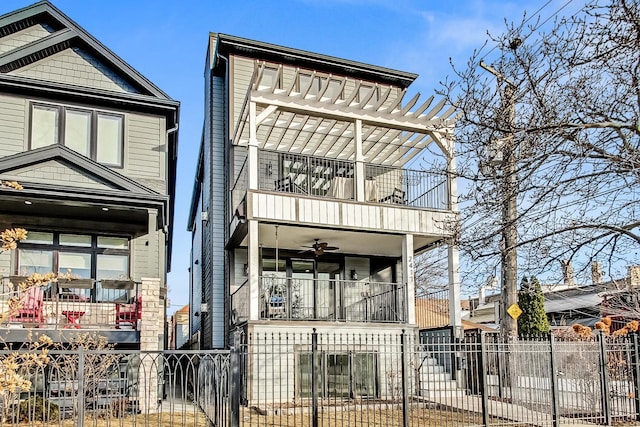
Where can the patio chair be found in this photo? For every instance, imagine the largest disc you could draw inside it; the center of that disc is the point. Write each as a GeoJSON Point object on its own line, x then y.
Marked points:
{"type": "Point", "coordinates": [31, 303]}
{"type": "Point", "coordinates": [129, 313]}
{"type": "Point", "coordinates": [397, 197]}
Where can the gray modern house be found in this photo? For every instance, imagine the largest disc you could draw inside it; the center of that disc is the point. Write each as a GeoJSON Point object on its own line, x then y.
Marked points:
{"type": "Point", "coordinates": [305, 211]}
{"type": "Point", "coordinates": [94, 145]}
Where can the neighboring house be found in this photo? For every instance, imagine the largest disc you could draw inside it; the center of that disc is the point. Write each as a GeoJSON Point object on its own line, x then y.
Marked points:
{"type": "Point", "coordinates": [179, 329]}
{"type": "Point", "coordinates": [567, 304]}
{"type": "Point", "coordinates": [94, 144]}
{"type": "Point", "coordinates": [304, 213]}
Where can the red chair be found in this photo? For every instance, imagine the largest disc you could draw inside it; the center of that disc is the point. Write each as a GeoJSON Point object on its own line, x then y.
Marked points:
{"type": "Point", "coordinates": [30, 309]}
{"type": "Point", "coordinates": [129, 313]}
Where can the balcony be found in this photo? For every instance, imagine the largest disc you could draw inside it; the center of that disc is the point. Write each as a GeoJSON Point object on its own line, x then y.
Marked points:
{"type": "Point", "coordinates": [337, 179]}
{"type": "Point", "coordinates": [72, 305]}
{"type": "Point", "coordinates": [297, 299]}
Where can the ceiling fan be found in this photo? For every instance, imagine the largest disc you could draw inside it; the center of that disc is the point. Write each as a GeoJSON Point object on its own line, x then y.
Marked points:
{"type": "Point", "coordinates": [320, 248]}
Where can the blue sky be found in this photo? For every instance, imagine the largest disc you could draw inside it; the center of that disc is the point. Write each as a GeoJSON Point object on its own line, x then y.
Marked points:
{"type": "Point", "coordinates": [166, 40]}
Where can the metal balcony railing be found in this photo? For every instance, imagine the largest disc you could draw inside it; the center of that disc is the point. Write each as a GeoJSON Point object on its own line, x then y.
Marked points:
{"type": "Point", "coordinates": [332, 178]}
{"type": "Point", "coordinates": [320, 299]}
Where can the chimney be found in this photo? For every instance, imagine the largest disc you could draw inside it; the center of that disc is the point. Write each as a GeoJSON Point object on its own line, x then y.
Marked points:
{"type": "Point", "coordinates": [634, 275]}
{"type": "Point", "coordinates": [567, 272]}
{"type": "Point", "coordinates": [596, 273]}
{"type": "Point", "coordinates": [481, 295]}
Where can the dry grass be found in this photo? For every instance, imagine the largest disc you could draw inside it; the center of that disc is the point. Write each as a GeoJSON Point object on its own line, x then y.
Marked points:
{"type": "Point", "coordinates": [375, 417]}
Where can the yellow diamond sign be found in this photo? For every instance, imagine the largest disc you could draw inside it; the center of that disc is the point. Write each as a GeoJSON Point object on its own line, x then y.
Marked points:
{"type": "Point", "coordinates": [514, 311]}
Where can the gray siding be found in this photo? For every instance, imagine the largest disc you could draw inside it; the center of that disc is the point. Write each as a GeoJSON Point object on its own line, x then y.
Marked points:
{"type": "Point", "coordinates": [12, 125]}
{"type": "Point", "coordinates": [145, 146]}
{"type": "Point", "coordinates": [55, 173]}
{"type": "Point", "coordinates": [242, 72]}
{"type": "Point", "coordinates": [76, 67]}
{"type": "Point", "coordinates": [23, 37]}
{"type": "Point", "coordinates": [217, 217]}
{"type": "Point", "coordinates": [5, 263]}
{"type": "Point", "coordinates": [197, 263]}
{"type": "Point", "coordinates": [145, 258]}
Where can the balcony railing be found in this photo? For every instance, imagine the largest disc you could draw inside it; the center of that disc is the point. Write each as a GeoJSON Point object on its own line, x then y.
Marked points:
{"type": "Point", "coordinates": [84, 305]}
{"type": "Point", "coordinates": [320, 299]}
{"type": "Point", "coordinates": [332, 178]}
{"type": "Point", "coordinates": [240, 304]}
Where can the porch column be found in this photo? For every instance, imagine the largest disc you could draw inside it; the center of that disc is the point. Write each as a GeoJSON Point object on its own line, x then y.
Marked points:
{"type": "Point", "coordinates": [253, 261]}
{"type": "Point", "coordinates": [408, 275]}
{"type": "Point", "coordinates": [453, 257]}
{"type": "Point", "coordinates": [455, 311]}
{"type": "Point", "coordinates": [151, 327]}
{"type": "Point", "coordinates": [252, 154]}
{"type": "Point", "coordinates": [359, 175]}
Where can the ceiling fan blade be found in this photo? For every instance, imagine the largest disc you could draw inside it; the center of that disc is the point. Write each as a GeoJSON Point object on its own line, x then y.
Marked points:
{"type": "Point", "coordinates": [330, 248]}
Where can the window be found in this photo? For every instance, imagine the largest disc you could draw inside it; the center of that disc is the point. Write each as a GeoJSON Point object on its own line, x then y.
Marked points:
{"type": "Point", "coordinates": [351, 374]}
{"type": "Point", "coordinates": [82, 256]}
{"type": "Point", "coordinates": [364, 91]}
{"type": "Point", "coordinates": [334, 88]}
{"type": "Point", "coordinates": [94, 134]}
{"type": "Point", "coordinates": [270, 76]}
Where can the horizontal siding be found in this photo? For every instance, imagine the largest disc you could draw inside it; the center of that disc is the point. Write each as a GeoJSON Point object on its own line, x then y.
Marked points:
{"type": "Point", "coordinates": [12, 125]}
{"type": "Point", "coordinates": [304, 210]}
{"type": "Point", "coordinates": [145, 146]}
{"type": "Point", "coordinates": [242, 73]}
{"type": "Point", "coordinates": [5, 264]}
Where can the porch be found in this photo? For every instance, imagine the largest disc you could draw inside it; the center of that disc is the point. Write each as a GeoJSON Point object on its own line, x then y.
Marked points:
{"type": "Point", "coordinates": [70, 306]}
{"type": "Point", "coordinates": [285, 298]}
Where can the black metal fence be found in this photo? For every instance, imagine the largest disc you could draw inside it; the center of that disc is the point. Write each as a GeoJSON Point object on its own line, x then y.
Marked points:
{"type": "Point", "coordinates": [357, 378]}
{"type": "Point", "coordinates": [403, 379]}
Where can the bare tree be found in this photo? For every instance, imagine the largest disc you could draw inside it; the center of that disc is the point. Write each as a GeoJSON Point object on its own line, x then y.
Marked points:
{"type": "Point", "coordinates": [576, 142]}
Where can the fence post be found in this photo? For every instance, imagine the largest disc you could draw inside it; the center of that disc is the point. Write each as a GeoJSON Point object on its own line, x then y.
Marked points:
{"type": "Point", "coordinates": [405, 380]}
{"type": "Point", "coordinates": [555, 404]}
{"type": "Point", "coordinates": [314, 382]}
{"type": "Point", "coordinates": [235, 385]}
{"type": "Point", "coordinates": [604, 379]}
{"type": "Point", "coordinates": [81, 387]}
{"type": "Point", "coordinates": [482, 377]}
{"type": "Point", "coordinates": [636, 374]}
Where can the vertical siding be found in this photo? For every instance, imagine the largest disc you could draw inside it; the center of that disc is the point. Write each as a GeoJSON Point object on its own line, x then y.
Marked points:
{"type": "Point", "coordinates": [12, 125]}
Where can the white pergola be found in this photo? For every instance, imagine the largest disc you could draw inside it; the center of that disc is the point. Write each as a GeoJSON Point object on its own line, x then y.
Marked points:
{"type": "Point", "coordinates": [380, 131]}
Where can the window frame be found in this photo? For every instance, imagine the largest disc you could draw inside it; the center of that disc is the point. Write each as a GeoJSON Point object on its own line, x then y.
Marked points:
{"type": "Point", "coordinates": [55, 248]}
{"type": "Point", "coordinates": [93, 131]}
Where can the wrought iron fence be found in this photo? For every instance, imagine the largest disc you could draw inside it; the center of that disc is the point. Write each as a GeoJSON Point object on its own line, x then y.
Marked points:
{"type": "Point", "coordinates": [286, 378]}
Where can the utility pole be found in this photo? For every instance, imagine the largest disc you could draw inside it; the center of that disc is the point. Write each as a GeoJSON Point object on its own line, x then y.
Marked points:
{"type": "Point", "coordinates": [509, 193]}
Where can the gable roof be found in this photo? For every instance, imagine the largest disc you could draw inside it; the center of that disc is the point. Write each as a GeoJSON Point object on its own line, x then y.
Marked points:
{"type": "Point", "coordinates": [101, 173]}
{"type": "Point", "coordinates": [66, 34]}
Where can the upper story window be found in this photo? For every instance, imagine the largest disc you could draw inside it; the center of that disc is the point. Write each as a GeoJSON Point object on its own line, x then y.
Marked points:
{"type": "Point", "coordinates": [315, 84]}
{"type": "Point", "coordinates": [270, 77]}
{"type": "Point", "coordinates": [94, 134]}
{"type": "Point", "coordinates": [365, 91]}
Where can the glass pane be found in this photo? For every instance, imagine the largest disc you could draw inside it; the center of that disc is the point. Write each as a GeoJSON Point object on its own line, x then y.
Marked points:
{"type": "Point", "coordinates": [78, 265]}
{"type": "Point", "coordinates": [34, 261]}
{"type": "Point", "coordinates": [111, 267]}
{"type": "Point", "coordinates": [338, 375]}
{"type": "Point", "coordinates": [109, 144]}
{"type": "Point", "coordinates": [269, 76]}
{"type": "Point", "coordinates": [75, 240]}
{"type": "Point", "coordinates": [44, 126]}
{"type": "Point", "coordinates": [334, 89]}
{"type": "Point", "coordinates": [113, 242]}
{"type": "Point", "coordinates": [364, 376]}
{"type": "Point", "coordinates": [39, 238]}
{"type": "Point", "coordinates": [77, 131]}
{"type": "Point", "coordinates": [305, 375]}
